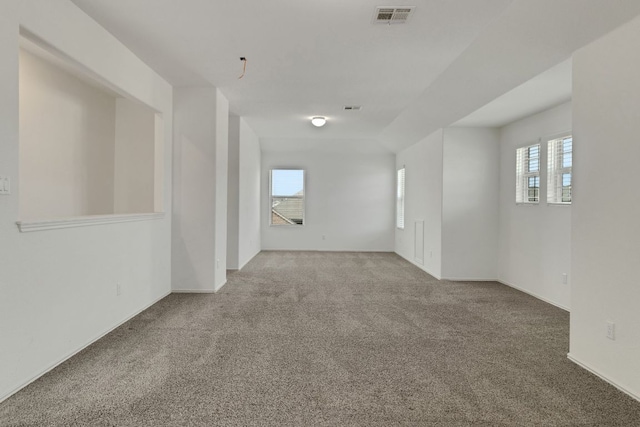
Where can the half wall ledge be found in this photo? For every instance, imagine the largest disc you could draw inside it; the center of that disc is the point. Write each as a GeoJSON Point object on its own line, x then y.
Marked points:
{"type": "Point", "coordinates": [84, 221]}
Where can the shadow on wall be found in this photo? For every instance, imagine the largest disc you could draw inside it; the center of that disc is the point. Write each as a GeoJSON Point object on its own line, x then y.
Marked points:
{"type": "Point", "coordinates": [193, 247]}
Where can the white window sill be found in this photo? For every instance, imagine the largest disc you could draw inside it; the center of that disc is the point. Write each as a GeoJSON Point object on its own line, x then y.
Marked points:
{"type": "Point", "coordinates": [83, 221]}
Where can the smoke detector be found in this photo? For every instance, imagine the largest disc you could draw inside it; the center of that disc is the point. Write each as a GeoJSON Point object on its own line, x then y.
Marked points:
{"type": "Point", "coordinates": [392, 14]}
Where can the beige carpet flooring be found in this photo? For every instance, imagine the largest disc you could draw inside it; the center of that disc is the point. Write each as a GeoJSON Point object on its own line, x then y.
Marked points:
{"type": "Point", "coordinates": [330, 339]}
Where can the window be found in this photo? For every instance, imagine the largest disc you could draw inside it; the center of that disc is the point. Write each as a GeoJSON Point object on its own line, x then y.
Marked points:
{"type": "Point", "coordinates": [287, 197]}
{"type": "Point", "coordinates": [528, 174]}
{"type": "Point", "coordinates": [560, 161]}
{"type": "Point", "coordinates": [400, 200]}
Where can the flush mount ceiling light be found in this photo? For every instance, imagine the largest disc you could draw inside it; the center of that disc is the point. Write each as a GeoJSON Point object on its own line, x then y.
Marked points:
{"type": "Point", "coordinates": [318, 121]}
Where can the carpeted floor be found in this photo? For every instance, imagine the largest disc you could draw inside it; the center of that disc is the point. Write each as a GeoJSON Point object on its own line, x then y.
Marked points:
{"type": "Point", "coordinates": [334, 339]}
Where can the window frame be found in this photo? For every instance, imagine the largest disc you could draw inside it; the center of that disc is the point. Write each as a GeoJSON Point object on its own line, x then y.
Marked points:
{"type": "Point", "coordinates": [303, 197]}
{"type": "Point", "coordinates": [400, 197]}
{"type": "Point", "coordinates": [556, 170]}
{"type": "Point", "coordinates": [523, 175]}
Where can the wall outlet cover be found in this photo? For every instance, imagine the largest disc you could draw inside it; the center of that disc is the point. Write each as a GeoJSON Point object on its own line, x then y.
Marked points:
{"type": "Point", "coordinates": [611, 330]}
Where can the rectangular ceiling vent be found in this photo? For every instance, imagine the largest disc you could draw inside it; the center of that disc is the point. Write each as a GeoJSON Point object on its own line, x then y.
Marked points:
{"type": "Point", "coordinates": [352, 107]}
{"type": "Point", "coordinates": [393, 15]}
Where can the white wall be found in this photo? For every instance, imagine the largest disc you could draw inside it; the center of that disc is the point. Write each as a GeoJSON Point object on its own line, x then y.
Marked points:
{"type": "Point", "coordinates": [200, 158]}
{"type": "Point", "coordinates": [243, 213]}
{"type": "Point", "coordinates": [606, 207]}
{"type": "Point", "coordinates": [250, 157]}
{"type": "Point", "coordinates": [470, 204]}
{"type": "Point", "coordinates": [534, 240]}
{"type": "Point", "coordinates": [194, 203]}
{"type": "Point", "coordinates": [423, 201]}
{"type": "Point", "coordinates": [233, 194]}
{"type": "Point", "coordinates": [450, 184]}
{"type": "Point", "coordinates": [221, 171]}
{"type": "Point", "coordinates": [349, 198]}
{"type": "Point", "coordinates": [67, 130]}
{"type": "Point", "coordinates": [134, 157]}
{"type": "Point", "coordinates": [58, 287]}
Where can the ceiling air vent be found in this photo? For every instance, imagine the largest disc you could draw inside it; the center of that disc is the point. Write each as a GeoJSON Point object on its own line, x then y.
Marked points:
{"type": "Point", "coordinates": [393, 15]}
{"type": "Point", "coordinates": [352, 107]}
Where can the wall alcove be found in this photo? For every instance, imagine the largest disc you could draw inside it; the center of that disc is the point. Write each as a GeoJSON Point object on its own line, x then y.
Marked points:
{"type": "Point", "coordinates": [89, 153]}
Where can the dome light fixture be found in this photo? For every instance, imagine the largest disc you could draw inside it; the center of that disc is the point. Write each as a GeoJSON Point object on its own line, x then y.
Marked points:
{"type": "Point", "coordinates": [318, 121]}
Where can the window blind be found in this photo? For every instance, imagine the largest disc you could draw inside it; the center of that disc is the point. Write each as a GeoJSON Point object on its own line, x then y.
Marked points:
{"type": "Point", "coordinates": [559, 165]}
{"type": "Point", "coordinates": [400, 199]}
{"type": "Point", "coordinates": [528, 174]}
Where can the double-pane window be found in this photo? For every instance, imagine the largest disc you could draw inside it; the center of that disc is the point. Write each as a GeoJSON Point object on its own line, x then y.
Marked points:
{"type": "Point", "coordinates": [528, 174]}
{"type": "Point", "coordinates": [559, 164]}
{"type": "Point", "coordinates": [400, 199]}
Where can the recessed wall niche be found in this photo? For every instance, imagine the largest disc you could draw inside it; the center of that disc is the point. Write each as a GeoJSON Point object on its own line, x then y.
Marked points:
{"type": "Point", "coordinates": [85, 147]}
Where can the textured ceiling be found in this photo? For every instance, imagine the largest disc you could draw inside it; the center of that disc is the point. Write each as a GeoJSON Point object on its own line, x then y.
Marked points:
{"type": "Point", "coordinates": [307, 58]}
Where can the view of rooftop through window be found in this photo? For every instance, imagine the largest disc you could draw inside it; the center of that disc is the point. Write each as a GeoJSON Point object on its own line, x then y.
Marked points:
{"type": "Point", "coordinates": [287, 197]}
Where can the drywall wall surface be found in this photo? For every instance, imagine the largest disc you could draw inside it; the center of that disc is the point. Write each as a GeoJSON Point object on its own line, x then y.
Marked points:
{"type": "Point", "coordinates": [233, 194]}
{"type": "Point", "coordinates": [534, 249]}
{"type": "Point", "coordinates": [59, 287]}
{"type": "Point", "coordinates": [423, 202]}
{"type": "Point", "coordinates": [67, 131]}
{"type": "Point", "coordinates": [134, 158]}
{"type": "Point", "coordinates": [200, 157]}
{"type": "Point", "coordinates": [194, 189]}
{"type": "Point", "coordinates": [349, 200]}
{"type": "Point", "coordinates": [250, 156]}
{"type": "Point", "coordinates": [221, 171]}
{"type": "Point", "coordinates": [243, 207]}
{"type": "Point", "coordinates": [470, 204]}
{"type": "Point", "coordinates": [606, 207]}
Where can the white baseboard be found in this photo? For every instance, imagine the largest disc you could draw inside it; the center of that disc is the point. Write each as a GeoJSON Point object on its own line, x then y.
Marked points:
{"type": "Point", "coordinates": [217, 288]}
{"type": "Point", "coordinates": [471, 279]}
{"type": "Point", "coordinates": [375, 251]}
{"type": "Point", "coordinates": [602, 376]}
{"type": "Point", "coordinates": [73, 353]}
{"type": "Point", "coordinates": [193, 291]}
{"type": "Point", "coordinates": [420, 266]}
{"type": "Point", "coordinates": [220, 286]}
{"type": "Point", "coordinates": [533, 294]}
{"type": "Point", "coordinates": [247, 261]}
{"type": "Point", "coordinates": [199, 291]}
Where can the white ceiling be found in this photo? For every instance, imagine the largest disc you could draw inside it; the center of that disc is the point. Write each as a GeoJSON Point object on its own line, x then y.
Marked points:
{"type": "Point", "coordinates": [552, 87]}
{"type": "Point", "coordinates": [307, 58]}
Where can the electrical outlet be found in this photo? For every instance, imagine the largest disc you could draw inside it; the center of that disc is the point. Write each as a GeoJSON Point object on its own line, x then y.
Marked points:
{"type": "Point", "coordinates": [430, 254]}
{"type": "Point", "coordinates": [5, 185]}
{"type": "Point", "coordinates": [611, 330]}
{"type": "Point", "coordinates": [218, 263]}
{"type": "Point", "coordinates": [324, 237]}
{"type": "Point", "coordinates": [118, 289]}
{"type": "Point", "coordinates": [565, 278]}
